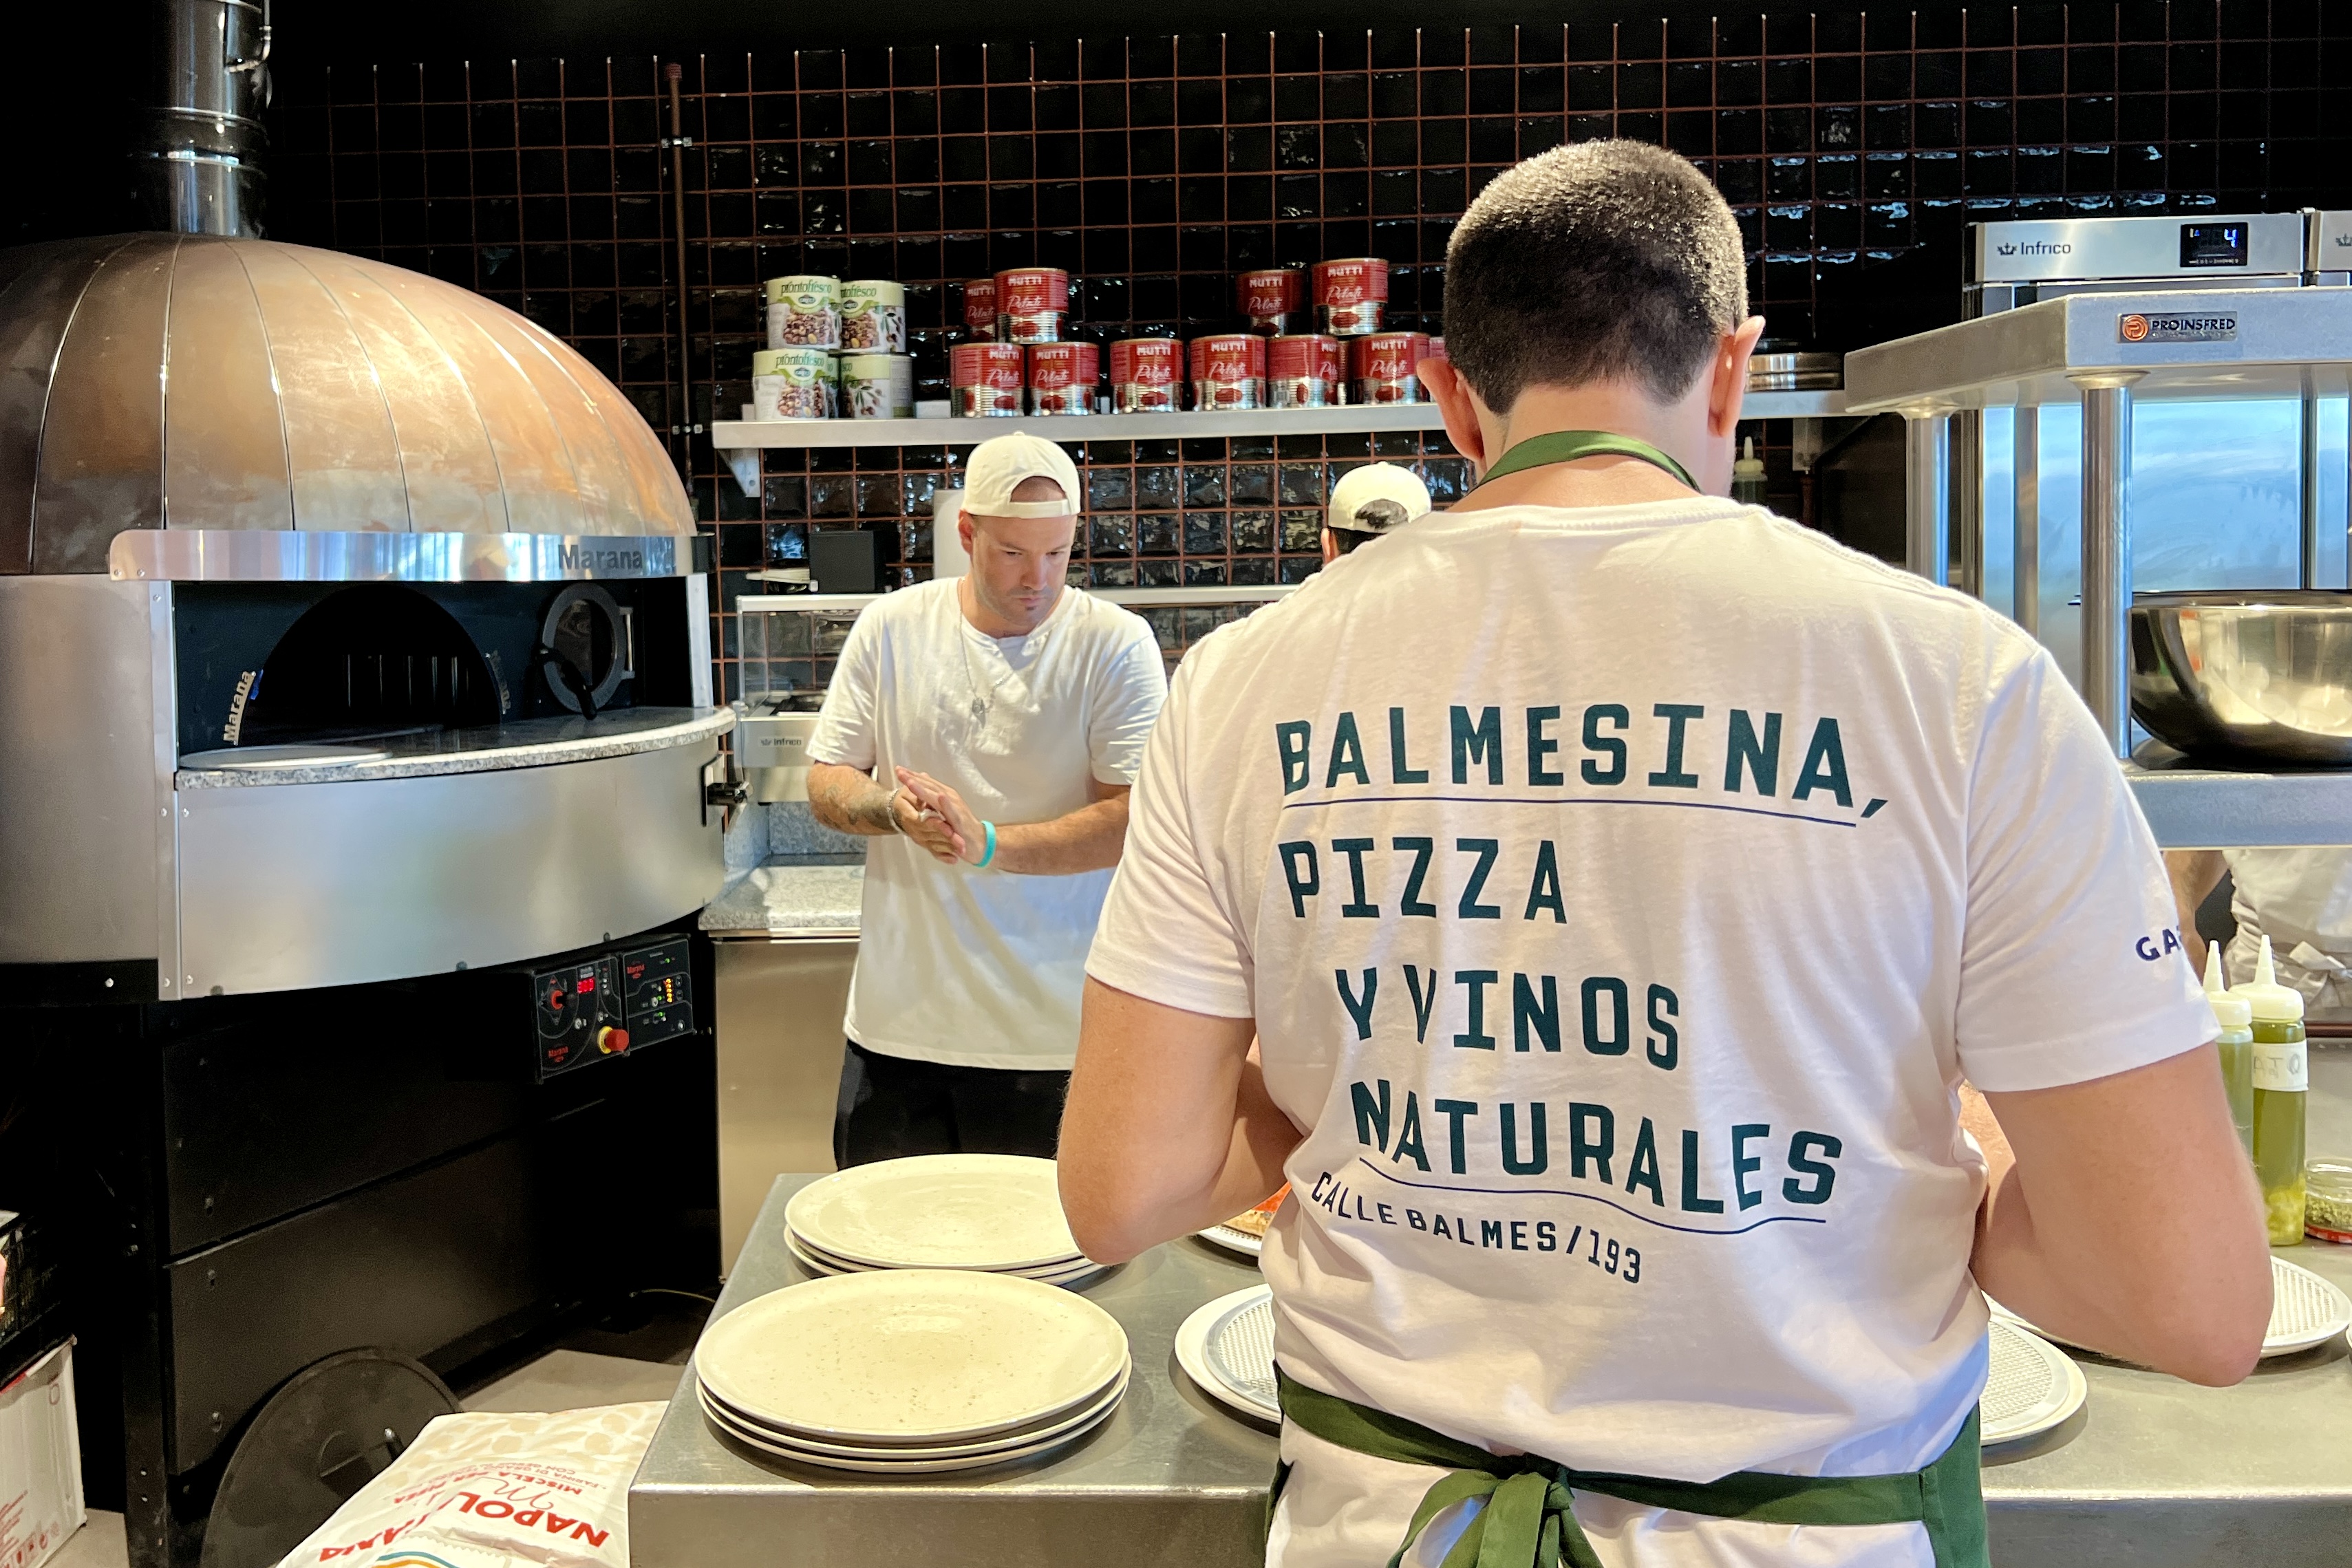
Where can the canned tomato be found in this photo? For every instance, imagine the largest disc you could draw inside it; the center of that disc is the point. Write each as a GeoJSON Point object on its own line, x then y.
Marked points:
{"type": "Point", "coordinates": [1062, 377]}
{"type": "Point", "coordinates": [1351, 295]}
{"type": "Point", "coordinates": [803, 312]}
{"type": "Point", "coordinates": [1303, 371]}
{"type": "Point", "coordinates": [873, 316]}
{"type": "Point", "coordinates": [1031, 303]}
{"type": "Point", "coordinates": [1273, 299]}
{"type": "Point", "coordinates": [1436, 351]}
{"type": "Point", "coordinates": [1387, 367]}
{"type": "Point", "coordinates": [985, 379]}
{"type": "Point", "coordinates": [793, 384]}
{"type": "Point", "coordinates": [1147, 375]}
{"type": "Point", "coordinates": [979, 308]}
{"type": "Point", "coordinates": [878, 386]}
{"type": "Point", "coordinates": [1228, 370]}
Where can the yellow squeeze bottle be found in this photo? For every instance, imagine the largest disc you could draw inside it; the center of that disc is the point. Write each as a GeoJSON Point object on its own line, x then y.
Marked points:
{"type": "Point", "coordinates": [2235, 1045]}
{"type": "Point", "coordinates": [2282, 1079]}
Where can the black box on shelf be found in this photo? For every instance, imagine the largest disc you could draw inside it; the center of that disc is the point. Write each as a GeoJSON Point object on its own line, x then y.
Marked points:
{"type": "Point", "coordinates": [845, 560]}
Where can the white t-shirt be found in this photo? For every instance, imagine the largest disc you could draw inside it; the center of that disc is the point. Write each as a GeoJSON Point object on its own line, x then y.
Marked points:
{"type": "Point", "coordinates": [1620, 895]}
{"type": "Point", "coordinates": [983, 969]}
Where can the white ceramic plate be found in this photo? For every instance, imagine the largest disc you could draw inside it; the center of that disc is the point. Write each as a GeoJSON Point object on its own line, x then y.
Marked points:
{"type": "Point", "coordinates": [1232, 1240]}
{"type": "Point", "coordinates": [2306, 1311]}
{"type": "Point", "coordinates": [816, 1257]}
{"type": "Point", "coordinates": [997, 1212]}
{"type": "Point", "coordinates": [2030, 1386]}
{"type": "Point", "coordinates": [895, 1453]}
{"type": "Point", "coordinates": [817, 1263]}
{"type": "Point", "coordinates": [911, 1355]}
{"type": "Point", "coordinates": [1192, 1350]}
{"type": "Point", "coordinates": [904, 1467]}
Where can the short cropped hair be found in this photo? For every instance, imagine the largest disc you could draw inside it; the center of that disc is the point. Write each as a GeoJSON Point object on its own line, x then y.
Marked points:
{"type": "Point", "coordinates": [1600, 261]}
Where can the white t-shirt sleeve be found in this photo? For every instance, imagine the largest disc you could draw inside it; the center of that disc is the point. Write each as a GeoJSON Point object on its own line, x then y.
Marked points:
{"type": "Point", "coordinates": [845, 726]}
{"type": "Point", "coordinates": [1125, 709]}
{"type": "Point", "coordinates": [1165, 933]}
{"type": "Point", "coordinates": [2071, 964]}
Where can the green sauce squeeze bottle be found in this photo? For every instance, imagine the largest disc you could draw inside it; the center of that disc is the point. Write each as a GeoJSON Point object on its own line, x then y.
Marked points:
{"type": "Point", "coordinates": [2235, 1014]}
{"type": "Point", "coordinates": [2282, 1079]}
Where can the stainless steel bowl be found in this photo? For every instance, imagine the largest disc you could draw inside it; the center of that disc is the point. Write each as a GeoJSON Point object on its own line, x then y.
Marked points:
{"type": "Point", "coordinates": [2251, 677]}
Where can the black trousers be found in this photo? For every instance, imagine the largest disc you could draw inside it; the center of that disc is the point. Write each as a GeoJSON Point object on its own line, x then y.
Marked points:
{"type": "Point", "coordinates": [892, 1106]}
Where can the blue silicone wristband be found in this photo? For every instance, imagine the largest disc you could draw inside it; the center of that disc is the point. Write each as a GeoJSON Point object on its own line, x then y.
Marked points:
{"type": "Point", "coordinates": [989, 853]}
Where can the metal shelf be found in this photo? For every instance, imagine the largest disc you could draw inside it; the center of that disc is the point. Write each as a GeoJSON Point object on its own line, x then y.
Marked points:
{"type": "Point", "coordinates": [2206, 809]}
{"type": "Point", "coordinates": [747, 434]}
{"type": "Point", "coordinates": [2284, 342]}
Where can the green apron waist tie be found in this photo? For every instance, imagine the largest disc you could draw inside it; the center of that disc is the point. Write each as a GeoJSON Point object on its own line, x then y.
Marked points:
{"type": "Point", "coordinates": [1526, 1522]}
{"type": "Point", "coordinates": [1568, 445]}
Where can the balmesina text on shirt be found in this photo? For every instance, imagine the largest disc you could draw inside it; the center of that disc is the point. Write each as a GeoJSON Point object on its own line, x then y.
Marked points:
{"type": "Point", "coordinates": [1611, 1154]}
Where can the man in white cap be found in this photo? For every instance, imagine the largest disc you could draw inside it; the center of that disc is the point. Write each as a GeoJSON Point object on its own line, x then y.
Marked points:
{"type": "Point", "coordinates": [1368, 501]}
{"type": "Point", "coordinates": [986, 729]}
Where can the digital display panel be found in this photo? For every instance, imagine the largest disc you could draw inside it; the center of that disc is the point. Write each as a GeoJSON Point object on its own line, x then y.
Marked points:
{"type": "Point", "coordinates": [2213, 245]}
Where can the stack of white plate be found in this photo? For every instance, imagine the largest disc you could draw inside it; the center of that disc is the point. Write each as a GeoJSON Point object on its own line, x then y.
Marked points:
{"type": "Point", "coordinates": [998, 1214]}
{"type": "Point", "coordinates": [2306, 1311]}
{"type": "Point", "coordinates": [911, 1371]}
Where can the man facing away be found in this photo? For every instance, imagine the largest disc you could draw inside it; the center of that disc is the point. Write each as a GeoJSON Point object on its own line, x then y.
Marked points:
{"type": "Point", "coordinates": [1622, 882]}
{"type": "Point", "coordinates": [986, 729]}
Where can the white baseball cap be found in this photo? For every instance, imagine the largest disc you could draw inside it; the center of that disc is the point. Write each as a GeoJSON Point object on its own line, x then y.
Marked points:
{"type": "Point", "coordinates": [997, 467]}
{"type": "Point", "coordinates": [1375, 498]}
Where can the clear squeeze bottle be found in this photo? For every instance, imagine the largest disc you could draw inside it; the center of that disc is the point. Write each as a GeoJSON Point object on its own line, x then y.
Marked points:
{"type": "Point", "coordinates": [2235, 1014]}
{"type": "Point", "coordinates": [2282, 1077]}
{"type": "Point", "coordinates": [1747, 483]}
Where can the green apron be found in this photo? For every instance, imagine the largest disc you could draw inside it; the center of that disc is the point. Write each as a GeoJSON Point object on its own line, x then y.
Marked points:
{"type": "Point", "coordinates": [1568, 445]}
{"type": "Point", "coordinates": [1526, 1522]}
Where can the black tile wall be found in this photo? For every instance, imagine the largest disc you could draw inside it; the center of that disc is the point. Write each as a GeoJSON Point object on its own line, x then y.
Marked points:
{"type": "Point", "coordinates": [1855, 146]}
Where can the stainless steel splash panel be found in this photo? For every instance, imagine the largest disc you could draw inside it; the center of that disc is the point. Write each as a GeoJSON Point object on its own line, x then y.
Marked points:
{"type": "Point", "coordinates": [293, 885]}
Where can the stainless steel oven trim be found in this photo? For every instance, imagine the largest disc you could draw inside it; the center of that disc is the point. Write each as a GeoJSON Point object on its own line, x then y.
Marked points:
{"type": "Point", "coordinates": [287, 555]}
{"type": "Point", "coordinates": [163, 728]}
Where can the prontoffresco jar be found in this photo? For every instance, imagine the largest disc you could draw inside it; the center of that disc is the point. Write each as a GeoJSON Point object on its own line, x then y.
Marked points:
{"type": "Point", "coordinates": [878, 386]}
{"type": "Point", "coordinates": [793, 384]}
{"type": "Point", "coordinates": [873, 316]}
{"type": "Point", "coordinates": [803, 312]}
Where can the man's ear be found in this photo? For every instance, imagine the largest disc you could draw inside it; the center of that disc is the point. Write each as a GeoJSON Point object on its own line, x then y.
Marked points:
{"type": "Point", "coordinates": [1459, 407]}
{"type": "Point", "coordinates": [1727, 385]}
{"type": "Point", "coordinates": [964, 531]}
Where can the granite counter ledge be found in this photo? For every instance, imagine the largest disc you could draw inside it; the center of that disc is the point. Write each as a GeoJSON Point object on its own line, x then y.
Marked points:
{"type": "Point", "coordinates": [525, 743]}
{"type": "Point", "coordinates": [792, 895]}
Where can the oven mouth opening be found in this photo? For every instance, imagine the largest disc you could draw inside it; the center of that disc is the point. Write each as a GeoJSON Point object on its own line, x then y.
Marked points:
{"type": "Point", "coordinates": [368, 663]}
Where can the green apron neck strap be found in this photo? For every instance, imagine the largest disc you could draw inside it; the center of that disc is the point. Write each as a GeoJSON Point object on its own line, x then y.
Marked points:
{"type": "Point", "coordinates": [1568, 445]}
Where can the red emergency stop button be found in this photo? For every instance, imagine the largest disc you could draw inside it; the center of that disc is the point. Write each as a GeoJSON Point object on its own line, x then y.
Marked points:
{"type": "Point", "coordinates": [612, 1041]}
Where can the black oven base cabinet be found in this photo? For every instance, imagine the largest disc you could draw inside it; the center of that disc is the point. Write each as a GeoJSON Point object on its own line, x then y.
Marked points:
{"type": "Point", "coordinates": [232, 1189]}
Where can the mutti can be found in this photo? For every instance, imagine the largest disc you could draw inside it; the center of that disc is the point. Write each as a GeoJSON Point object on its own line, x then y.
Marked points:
{"type": "Point", "coordinates": [1032, 302]}
{"type": "Point", "coordinates": [1388, 367]}
{"type": "Point", "coordinates": [979, 308]}
{"type": "Point", "coordinates": [1275, 299]}
{"type": "Point", "coordinates": [1062, 377]}
{"type": "Point", "coordinates": [803, 312]}
{"type": "Point", "coordinates": [873, 316]}
{"type": "Point", "coordinates": [1303, 371]}
{"type": "Point", "coordinates": [1228, 371]}
{"type": "Point", "coordinates": [984, 379]}
{"type": "Point", "coordinates": [793, 384]}
{"type": "Point", "coordinates": [1147, 375]}
{"type": "Point", "coordinates": [1351, 295]}
{"type": "Point", "coordinates": [1436, 351]}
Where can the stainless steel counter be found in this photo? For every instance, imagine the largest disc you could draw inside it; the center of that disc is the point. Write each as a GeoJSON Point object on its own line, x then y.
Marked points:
{"type": "Point", "coordinates": [1171, 1479]}
{"type": "Point", "coordinates": [2153, 1473]}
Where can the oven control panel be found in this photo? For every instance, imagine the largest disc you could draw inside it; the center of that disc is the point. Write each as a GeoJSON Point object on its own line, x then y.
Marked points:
{"type": "Point", "coordinates": [609, 1006]}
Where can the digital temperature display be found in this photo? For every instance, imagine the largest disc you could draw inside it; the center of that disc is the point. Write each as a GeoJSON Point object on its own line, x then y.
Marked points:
{"type": "Point", "coordinates": [2213, 245]}
{"type": "Point", "coordinates": [587, 984]}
